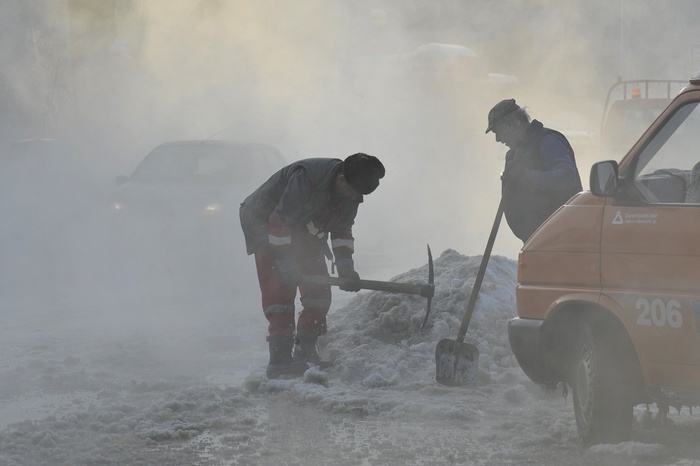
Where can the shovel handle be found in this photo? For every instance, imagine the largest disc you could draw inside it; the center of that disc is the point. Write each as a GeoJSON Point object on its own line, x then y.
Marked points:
{"type": "Point", "coordinates": [426, 291]}
{"type": "Point", "coordinates": [480, 276]}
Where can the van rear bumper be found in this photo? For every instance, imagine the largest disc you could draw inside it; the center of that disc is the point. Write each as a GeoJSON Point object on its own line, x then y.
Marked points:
{"type": "Point", "coordinates": [525, 336]}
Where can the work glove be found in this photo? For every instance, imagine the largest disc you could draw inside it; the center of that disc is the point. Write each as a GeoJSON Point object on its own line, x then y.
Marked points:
{"type": "Point", "coordinates": [514, 171]}
{"type": "Point", "coordinates": [346, 269]}
{"type": "Point", "coordinates": [289, 271]}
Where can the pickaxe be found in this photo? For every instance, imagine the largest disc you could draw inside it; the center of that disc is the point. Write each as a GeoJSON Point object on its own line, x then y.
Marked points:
{"type": "Point", "coordinates": [426, 291]}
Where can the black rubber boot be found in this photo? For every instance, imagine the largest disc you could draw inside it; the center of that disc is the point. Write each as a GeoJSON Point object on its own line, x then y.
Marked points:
{"type": "Point", "coordinates": [305, 351]}
{"type": "Point", "coordinates": [281, 364]}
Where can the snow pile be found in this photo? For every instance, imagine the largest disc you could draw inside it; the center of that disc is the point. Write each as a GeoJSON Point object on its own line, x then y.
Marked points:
{"type": "Point", "coordinates": [376, 338]}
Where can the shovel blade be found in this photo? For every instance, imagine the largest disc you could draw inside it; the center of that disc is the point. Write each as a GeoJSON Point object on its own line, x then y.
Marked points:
{"type": "Point", "coordinates": [456, 363]}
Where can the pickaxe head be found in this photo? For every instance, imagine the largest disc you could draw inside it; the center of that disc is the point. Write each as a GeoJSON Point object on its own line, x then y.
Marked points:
{"type": "Point", "coordinates": [431, 284]}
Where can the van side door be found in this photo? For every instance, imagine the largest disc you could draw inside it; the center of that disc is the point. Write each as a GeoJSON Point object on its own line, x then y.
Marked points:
{"type": "Point", "coordinates": [650, 247]}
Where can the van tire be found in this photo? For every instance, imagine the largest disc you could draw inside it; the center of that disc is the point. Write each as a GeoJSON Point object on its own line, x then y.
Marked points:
{"type": "Point", "coordinates": [602, 407]}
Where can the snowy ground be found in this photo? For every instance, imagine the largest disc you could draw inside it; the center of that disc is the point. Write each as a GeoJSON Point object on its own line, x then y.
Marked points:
{"type": "Point", "coordinates": [177, 378]}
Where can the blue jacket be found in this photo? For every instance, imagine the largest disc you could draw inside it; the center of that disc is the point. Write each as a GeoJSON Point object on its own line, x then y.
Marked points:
{"type": "Point", "coordinates": [549, 180]}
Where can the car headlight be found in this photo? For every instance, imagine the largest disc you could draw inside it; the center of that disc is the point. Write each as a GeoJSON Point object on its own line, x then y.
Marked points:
{"type": "Point", "coordinates": [212, 208]}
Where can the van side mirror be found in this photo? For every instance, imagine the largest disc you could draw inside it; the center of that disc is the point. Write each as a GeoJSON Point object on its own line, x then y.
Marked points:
{"type": "Point", "coordinates": [603, 179]}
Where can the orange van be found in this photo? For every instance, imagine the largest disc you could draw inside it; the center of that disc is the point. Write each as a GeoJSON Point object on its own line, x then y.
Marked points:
{"type": "Point", "coordinates": [608, 290]}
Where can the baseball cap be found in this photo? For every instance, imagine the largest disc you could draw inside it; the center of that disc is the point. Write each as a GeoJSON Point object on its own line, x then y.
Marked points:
{"type": "Point", "coordinates": [500, 110]}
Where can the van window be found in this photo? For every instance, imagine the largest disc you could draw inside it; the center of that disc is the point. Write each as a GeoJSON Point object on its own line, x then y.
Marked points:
{"type": "Point", "coordinates": [667, 171]}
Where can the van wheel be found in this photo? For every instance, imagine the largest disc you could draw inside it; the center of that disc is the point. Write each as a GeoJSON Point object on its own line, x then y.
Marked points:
{"type": "Point", "coordinates": [603, 409]}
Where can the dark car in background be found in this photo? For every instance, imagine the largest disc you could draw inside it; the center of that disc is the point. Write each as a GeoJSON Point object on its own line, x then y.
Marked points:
{"type": "Point", "coordinates": [195, 177]}
{"type": "Point", "coordinates": [178, 211]}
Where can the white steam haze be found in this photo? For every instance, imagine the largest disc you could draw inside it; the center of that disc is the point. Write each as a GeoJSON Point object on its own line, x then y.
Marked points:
{"type": "Point", "coordinates": [143, 343]}
{"type": "Point", "coordinates": [323, 78]}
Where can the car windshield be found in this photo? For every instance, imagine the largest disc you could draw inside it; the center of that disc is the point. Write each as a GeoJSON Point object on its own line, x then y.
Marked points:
{"type": "Point", "coordinates": [201, 163]}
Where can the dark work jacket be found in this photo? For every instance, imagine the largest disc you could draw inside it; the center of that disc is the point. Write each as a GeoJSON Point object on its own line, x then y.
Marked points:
{"type": "Point", "coordinates": [531, 199]}
{"type": "Point", "coordinates": [309, 206]}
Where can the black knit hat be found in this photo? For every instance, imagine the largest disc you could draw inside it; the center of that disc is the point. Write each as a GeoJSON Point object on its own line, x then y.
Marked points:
{"type": "Point", "coordinates": [363, 172]}
{"type": "Point", "coordinates": [500, 110]}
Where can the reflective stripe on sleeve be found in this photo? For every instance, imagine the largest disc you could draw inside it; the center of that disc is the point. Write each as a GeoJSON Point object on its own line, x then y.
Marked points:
{"type": "Point", "coordinates": [279, 240]}
{"type": "Point", "coordinates": [343, 243]}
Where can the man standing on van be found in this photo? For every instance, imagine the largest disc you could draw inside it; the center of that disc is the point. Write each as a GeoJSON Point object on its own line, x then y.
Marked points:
{"type": "Point", "coordinates": [286, 223]}
{"type": "Point", "coordinates": [540, 173]}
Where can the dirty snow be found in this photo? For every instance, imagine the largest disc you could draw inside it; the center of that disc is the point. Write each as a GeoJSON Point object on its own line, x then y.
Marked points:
{"type": "Point", "coordinates": [135, 381]}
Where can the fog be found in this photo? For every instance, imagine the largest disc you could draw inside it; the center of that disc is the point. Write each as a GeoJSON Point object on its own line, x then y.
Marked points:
{"type": "Point", "coordinates": [332, 78]}
{"type": "Point", "coordinates": [326, 79]}
{"type": "Point", "coordinates": [409, 81]}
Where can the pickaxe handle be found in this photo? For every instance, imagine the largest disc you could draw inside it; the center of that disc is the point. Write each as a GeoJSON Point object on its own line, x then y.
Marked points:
{"type": "Point", "coordinates": [426, 291]}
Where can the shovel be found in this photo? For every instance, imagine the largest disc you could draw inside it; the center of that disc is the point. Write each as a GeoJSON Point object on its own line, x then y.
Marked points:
{"type": "Point", "coordinates": [456, 362]}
